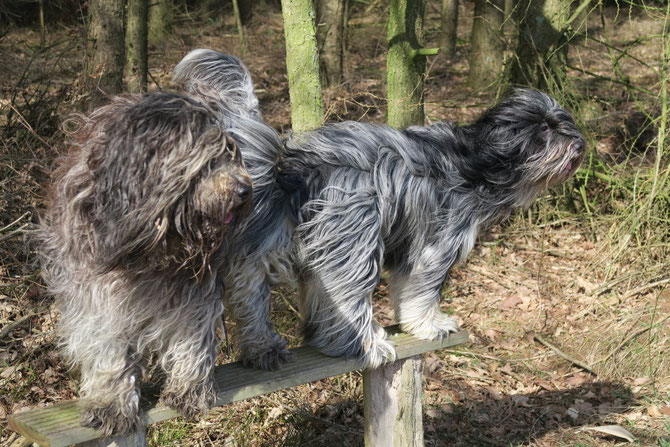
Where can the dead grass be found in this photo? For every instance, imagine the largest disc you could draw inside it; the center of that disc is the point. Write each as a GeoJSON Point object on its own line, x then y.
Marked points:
{"type": "Point", "coordinates": [549, 271]}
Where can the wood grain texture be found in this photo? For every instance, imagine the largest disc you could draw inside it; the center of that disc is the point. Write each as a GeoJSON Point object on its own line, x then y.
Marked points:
{"type": "Point", "coordinates": [392, 396]}
{"type": "Point", "coordinates": [58, 425]}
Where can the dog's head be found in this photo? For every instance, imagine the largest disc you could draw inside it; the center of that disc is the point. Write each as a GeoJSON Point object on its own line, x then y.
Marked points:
{"type": "Point", "coordinates": [166, 183]}
{"type": "Point", "coordinates": [220, 79]}
{"type": "Point", "coordinates": [527, 142]}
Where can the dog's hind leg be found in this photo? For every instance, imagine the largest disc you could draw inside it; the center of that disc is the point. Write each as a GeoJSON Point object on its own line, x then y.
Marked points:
{"type": "Point", "coordinates": [189, 354]}
{"type": "Point", "coordinates": [248, 303]}
{"type": "Point", "coordinates": [341, 254]}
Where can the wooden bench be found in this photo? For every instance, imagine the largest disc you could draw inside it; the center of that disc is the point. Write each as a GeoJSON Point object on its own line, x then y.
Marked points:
{"type": "Point", "coordinates": [392, 397]}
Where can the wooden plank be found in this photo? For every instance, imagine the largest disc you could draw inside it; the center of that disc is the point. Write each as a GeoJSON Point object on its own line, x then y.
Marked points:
{"type": "Point", "coordinates": [58, 425]}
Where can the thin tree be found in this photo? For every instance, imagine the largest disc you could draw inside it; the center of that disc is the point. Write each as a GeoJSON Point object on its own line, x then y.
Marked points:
{"type": "Point", "coordinates": [486, 53]}
{"type": "Point", "coordinates": [542, 50]}
{"type": "Point", "coordinates": [240, 26]}
{"type": "Point", "coordinates": [302, 65]}
{"type": "Point", "coordinates": [449, 26]}
{"type": "Point", "coordinates": [330, 32]}
{"type": "Point", "coordinates": [106, 49]}
{"type": "Point", "coordinates": [161, 14]}
{"type": "Point", "coordinates": [136, 45]}
{"type": "Point", "coordinates": [405, 63]}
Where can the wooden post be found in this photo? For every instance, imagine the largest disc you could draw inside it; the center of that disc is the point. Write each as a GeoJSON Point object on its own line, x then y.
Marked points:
{"type": "Point", "coordinates": [392, 397]}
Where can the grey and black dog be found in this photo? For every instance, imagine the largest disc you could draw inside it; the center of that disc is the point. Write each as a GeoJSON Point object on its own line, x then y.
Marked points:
{"type": "Point", "coordinates": [132, 242]}
{"type": "Point", "coordinates": [337, 205]}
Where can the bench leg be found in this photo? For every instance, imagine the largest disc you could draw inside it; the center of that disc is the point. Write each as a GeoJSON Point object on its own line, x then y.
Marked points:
{"type": "Point", "coordinates": [392, 397]}
{"type": "Point", "coordinates": [137, 439]}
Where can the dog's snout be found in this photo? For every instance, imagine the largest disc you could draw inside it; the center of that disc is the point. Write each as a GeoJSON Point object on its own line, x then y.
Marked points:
{"type": "Point", "coordinates": [580, 145]}
{"type": "Point", "coordinates": [244, 190]}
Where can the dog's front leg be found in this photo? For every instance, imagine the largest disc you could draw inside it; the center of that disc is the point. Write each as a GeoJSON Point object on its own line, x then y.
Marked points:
{"type": "Point", "coordinates": [110, 379]}
{"type": "Point", "coordinates": [416, 292]}
{"type": "Point", "coordinates": [190, 355]}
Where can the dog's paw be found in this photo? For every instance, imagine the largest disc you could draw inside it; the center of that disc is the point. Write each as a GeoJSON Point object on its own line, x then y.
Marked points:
{"type": "Point", "coordinates": [439, 327]}
{"type": "Point", "coordinates": [112, 419]}
{"type": "Point", "coordinates": [378, 349]}
{"type": "Point", "coordinates": [269, 357]}
{"type": "Point", "coordinates": [190, 404]}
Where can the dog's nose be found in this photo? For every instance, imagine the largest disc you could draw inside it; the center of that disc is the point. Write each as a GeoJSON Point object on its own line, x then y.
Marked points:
{"type": "Point", "coordinates": [579, 146]}
{"type": "Point", "coordinates": [244, 191]}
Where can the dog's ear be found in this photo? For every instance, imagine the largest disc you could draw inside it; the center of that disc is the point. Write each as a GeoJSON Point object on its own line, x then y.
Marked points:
{"type": "Point", "coordinates": [144, 182]}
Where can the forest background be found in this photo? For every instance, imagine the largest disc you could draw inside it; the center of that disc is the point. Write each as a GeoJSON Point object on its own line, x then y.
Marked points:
{"type": "Point", "coordinates": [586, 268]}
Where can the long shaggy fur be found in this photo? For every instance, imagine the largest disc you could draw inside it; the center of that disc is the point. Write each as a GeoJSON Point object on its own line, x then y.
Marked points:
{"type": "Point", "coordinates": [339, 204]}
{"type": "Point", "coordinates": [132, 242]}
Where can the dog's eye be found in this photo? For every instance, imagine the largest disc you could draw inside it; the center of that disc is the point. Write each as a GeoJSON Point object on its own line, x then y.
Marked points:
{"type": "Point", "coordinates": [544, 127]}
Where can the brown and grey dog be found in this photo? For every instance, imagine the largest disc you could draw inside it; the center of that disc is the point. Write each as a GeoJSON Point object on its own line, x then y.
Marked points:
{"type": "Point", "coordinates": [138, 219]}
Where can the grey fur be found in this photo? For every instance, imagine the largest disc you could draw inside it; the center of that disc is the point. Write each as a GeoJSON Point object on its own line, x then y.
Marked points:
{"type": "Point", "coordinates": [342, 202]}
{"type": "Point", "coordinates": [131, 245]}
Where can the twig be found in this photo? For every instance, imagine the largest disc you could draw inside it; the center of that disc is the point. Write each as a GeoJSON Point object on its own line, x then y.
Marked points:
{"type": "Point", "coordinates": [27, 126]}
{"type": "Point", "coordinates": [13, 232]}
{"type": "Point", "coordinates": [562, 354]}
{"type": "Point", "coordinates": [615, 81]}
{"type": "Point", "coordinates": [493, 277]}
{"type": "Point", "coordinates": [644, 288]}
{"type": "Point", "coordinates": [15, 324]}
{"type": "Point", "coordinates": [489, 357]}
{"type": "Point", "coordinates": [630, 337]}
{"type": "Point", "coordinates": [27, 213]}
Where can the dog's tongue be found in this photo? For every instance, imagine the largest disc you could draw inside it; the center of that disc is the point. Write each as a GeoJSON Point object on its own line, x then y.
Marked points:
{"type": "Point", "coordinates": [228, 217]}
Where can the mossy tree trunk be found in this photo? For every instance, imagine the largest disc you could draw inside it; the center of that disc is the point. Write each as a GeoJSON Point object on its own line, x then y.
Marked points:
{"type": "Point", "coordinates": [542, 50]}
{"type": "Point", "coordinates": [240, 26]}
{"type": "Point", "coordinates": [486, 53]}
{"type": "Point", "coordinates": [405, 65]}
{"type": "Point", "coordinates": [330, 32]}
{"type": "Point", "coordinates": [136, 45]}
{"type": "Point", "coordinates": [302, 65]}
{"type": "Point", "coordinates": [161, 16]}
{"type": "Point", "coordinates": [106, 49]}
{"type": "Point", "coordinates": [449, 26]}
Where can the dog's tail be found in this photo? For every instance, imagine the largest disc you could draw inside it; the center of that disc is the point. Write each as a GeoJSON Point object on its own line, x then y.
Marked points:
{"type": "Point", "coordinates": [218, 77]}
{"type": "Point", "coordinates": [294, 188]}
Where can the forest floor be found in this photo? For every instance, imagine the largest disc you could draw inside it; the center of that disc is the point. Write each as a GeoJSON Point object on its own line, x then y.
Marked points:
{"type": "Point", "coordinates": [550, 272]}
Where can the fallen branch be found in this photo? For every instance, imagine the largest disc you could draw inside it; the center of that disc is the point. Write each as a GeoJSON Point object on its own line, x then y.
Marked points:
{"type": "Point", "coordinates": [562, 354]}
{"type": "Point", "coordinates": [15, 324]}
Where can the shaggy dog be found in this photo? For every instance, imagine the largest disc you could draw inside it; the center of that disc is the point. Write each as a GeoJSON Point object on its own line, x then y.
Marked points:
{"type": "Point", "coordinates": [339, 204]}
{"type": "Point", "coordinates": [132, 241]}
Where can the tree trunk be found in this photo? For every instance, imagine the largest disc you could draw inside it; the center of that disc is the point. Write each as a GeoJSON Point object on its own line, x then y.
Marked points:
{"type": "Point", "coordinates": [449, 25]}
{"type": "Point", "coordinates": [302, 65]}
{"type": "Point", "coordinates": [136, 46]}
{"type": "Point", "coordinates": [542, 51]}
{"type": "Point", "coordinates": [240, 26]}
{"type": "Point", "coordinates": [486, 54]}
{"type": "Point", "coordinates": [405, 66]}
{"type": "Point", "coordinates": [43, 27]}
{"type": "Point", "coordinates": [160, 20]}
{"type": "Point", "coordinates": [330, 38]}
{"type": "Point", "coordinates": [106, 49]}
